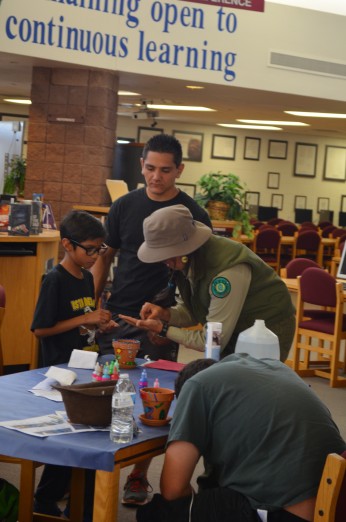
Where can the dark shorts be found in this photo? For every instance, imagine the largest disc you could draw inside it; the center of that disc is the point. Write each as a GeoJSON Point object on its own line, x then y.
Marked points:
{"type": "Point", "coordinates": [166, 349]}
{"type": "Point", "coordinates": [211, 505]}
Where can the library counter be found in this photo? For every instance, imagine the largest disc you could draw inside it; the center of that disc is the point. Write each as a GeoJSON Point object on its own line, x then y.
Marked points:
{"type": "Point", "coordinates": [23, 262]}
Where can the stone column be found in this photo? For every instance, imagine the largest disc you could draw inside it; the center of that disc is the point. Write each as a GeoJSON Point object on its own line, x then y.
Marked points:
{"type": "Point", "coordinates": [71, 139]}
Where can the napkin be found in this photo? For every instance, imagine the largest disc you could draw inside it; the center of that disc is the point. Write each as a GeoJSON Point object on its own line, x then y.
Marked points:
{"type": "Point", "coordinates": [83, 359]}
{"type": "Point", "coordinates": [64, 377]}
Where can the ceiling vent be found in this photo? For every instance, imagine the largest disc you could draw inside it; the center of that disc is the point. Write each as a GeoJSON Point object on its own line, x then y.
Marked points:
{"type": "Point", "coordinates": [308, 65]}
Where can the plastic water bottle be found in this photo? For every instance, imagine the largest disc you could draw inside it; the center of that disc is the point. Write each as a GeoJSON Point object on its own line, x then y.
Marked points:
{"type": "Point", "coordinates": [123, 401]}
{"type": "Point", "coordinates": [259, 342]}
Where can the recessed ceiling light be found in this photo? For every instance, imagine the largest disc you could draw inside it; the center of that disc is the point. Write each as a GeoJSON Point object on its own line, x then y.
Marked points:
{"type": "Point", "coordinates": [194, 87]}
{"type": "Point", "coordinates": [128, 93]}
{"type": "Point", "coordinates": [179, 108]}
{"type": "Point", "coordinates": [273, 122]}
{"type": "Point", "coordinates": [317, 114]}
{"type": "Point", "coordinates": [258, 127]}
{"type": "Point", "coordinates": [21, 101]}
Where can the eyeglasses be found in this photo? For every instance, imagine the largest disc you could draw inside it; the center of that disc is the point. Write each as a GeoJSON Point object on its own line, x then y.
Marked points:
{"type": "Point", "coordinates": [91, 251]}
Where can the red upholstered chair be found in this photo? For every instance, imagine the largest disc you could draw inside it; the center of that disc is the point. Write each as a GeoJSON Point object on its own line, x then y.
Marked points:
{"type": "Point", "coordinates": [308, 224]}
{"type": "Point", "coordinates": [324, 224]}
{"type": "Point", "coordinates": [256, 224]}
{"type": "Point", "coordinates": [265, 226]}
{"type": "Point", "coordinates": [327, 326]}
{"type": "Point", "coordinates": [331, 495]}
{"type": "Point", "coordinates": [308, 245]}
{"type": "Point", "coordinates": [2, 313]}
{"type": "Point", "coordinates": [328, 230]}
{"type": "Point", "coordinates": [267, 245]}
{"type": "Point", "coordinates": [338, 232]}
{"type": "Point", "coordinates": [287, 228]}
{"type": "Point", "coordinates": [297, 266]}
{"type": "Point", "coordinates": [274, 221]}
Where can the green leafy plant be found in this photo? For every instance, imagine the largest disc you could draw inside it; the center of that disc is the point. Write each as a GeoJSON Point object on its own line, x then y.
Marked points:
{"type": "Point", "coordinates": [228, 189]}
{"type": "Point", "coordinates": [15, 179]}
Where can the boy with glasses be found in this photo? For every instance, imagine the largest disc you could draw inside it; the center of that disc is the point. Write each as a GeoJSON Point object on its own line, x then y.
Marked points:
{"type": "Point", "coordinates": [66, 318]}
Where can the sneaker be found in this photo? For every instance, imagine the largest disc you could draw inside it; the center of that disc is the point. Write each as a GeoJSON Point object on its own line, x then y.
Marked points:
{"type": "Point", "coordinates": [47, 508]}
{"type": "Point", "coordinates": [136, 489]}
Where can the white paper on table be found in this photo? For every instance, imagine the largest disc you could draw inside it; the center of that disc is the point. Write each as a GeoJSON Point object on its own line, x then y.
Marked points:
{"type": "Point", "coordinates": [83, 359]}
{"type": "Point", "coordinates": [64, 377]}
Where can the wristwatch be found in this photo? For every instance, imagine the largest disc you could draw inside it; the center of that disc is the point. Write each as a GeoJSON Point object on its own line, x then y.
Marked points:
{"type": "Point", "coordinates": [165, 327]}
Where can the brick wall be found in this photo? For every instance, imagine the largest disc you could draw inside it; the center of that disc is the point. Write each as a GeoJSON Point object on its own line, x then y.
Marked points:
{"type": "Point", "coordinates": [69, 162]}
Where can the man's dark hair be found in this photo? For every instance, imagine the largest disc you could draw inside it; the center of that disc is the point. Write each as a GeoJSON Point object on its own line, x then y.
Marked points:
{"type": "Point", "coordinates": [189, 371]}
{"type": "Point", "coordinates": [164, 143]}
{"type": "Point", "coordinates": [81, 226]}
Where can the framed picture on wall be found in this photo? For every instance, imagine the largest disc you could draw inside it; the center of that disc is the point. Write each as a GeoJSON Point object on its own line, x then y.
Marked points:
{"type": "Point", "coordinates": [343, 204]}
{"type": "Point", "coordinates": [277, 149]}
{"type": "Point", "coordinates": [251, 199]}
{"type": "Point", "coordinates": [273, 180]}
{"type": "Point", "coordinates": [322, 204]}
{"type": "Point", "coordinates": [145, 133]}
{"type": "Point", "coordinates": [192, 144]}
{"type": "Point", "coordinates": [305, 159]}
{"type": "Point", "coordinates": [300, 202]}
{"type": "Point", "coordinates": [335, 163]}
{"type": "Point", "coordinates": [252, 148]}
{"type": "Point", "coordinates": [189, 188]}
{"type": "Point", "coordinates": [223, 147]}
{"type": "Point", "coordinates": [277, 201]}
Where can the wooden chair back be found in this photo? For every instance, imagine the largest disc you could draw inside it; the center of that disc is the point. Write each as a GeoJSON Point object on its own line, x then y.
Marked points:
{"type": "Point", "coordinates": [331, 496]}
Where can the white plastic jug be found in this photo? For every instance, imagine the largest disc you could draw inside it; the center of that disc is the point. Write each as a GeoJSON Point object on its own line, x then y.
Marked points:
{"type": "Point", "coordinates": [258, 341]}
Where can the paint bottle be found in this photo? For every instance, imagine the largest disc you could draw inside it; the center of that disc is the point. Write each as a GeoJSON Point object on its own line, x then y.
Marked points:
{"type": "Point", "coordinates": [143, 381]}
{"type": "Point", "coordinates": [156, 383]}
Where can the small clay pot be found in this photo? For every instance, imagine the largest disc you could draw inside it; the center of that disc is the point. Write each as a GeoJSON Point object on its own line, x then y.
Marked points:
{"type": "Point", "coordinates": [125, 351]}
{"type": "Point", "coordinates": [156, 402]}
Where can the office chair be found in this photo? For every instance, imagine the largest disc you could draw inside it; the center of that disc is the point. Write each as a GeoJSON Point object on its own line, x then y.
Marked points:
{"type": "Point", "coordinates": [327, 325]}
{"type": "Point", "coordinates": [331, 495]}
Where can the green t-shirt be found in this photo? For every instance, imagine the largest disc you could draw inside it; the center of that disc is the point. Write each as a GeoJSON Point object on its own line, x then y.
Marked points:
{"type": "Point", "coordinates": [261, 428]}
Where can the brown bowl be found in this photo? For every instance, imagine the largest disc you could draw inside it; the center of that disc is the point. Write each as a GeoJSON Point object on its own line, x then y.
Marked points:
{"type": "Point", "coordinates": [89, 403]}
{"type": "Point", "coordinates": [125, 351]}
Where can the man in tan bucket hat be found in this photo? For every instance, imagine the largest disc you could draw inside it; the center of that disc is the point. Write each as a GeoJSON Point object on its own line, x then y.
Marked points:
{"type": "Point", "coordinates": [219, 280]}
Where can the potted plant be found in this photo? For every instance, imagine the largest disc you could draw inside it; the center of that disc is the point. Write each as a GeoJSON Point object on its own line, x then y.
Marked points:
{"type": "Point", "coordinates": [15, 178]}
{"type": "Point", "coordinates": [223, 196]}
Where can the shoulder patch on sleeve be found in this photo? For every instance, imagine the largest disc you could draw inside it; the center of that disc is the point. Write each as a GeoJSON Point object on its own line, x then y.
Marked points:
{"type": "Point", "coordinates": [220, 287]}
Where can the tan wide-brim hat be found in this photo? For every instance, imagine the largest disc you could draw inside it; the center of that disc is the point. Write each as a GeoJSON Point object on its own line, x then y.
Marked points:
{"type": "Point", "coordinates": [171, 232]}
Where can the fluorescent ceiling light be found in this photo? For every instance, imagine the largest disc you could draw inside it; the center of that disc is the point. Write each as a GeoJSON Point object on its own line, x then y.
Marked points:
{"type": "Point", "coordinates": [273, 122]}
{"type": "Point", "coordinates": [179, 108]}
{"type": "Point", "coordinates": [21, 101]}
{"type": "Point", "coordinates": [128, 93]}
{"type": "Point", "coordinates": [196, 87]}
{"type": "Point", "coordinates": [239, 126]}
{"type": "Point", "coordinates": [317, 114]}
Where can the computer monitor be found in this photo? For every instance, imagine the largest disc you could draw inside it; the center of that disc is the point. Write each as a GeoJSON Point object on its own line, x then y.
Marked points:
{"type": "Point", "coordinates": [342, 219]}
{"type": "Point", "coordinates": [326, 215]}
{"type": "Point", "coordinates": [342, 266]}
{"type": "Point", "coordinates": [302, 214]}
{"type": "Point", "coordinates": [266, 213]}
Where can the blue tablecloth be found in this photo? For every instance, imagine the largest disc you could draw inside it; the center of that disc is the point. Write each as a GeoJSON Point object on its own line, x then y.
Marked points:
{"type": "Point", "coordinates": [92, 450]}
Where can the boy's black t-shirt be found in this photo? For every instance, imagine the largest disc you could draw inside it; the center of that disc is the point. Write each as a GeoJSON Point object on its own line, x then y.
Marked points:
{"type": "Point", "coordinates": [62, 297]}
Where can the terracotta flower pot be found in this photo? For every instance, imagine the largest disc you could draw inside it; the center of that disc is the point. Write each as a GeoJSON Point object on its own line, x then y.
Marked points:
{"type": "Point", "coordinates": [125, 351]}
{"type": "Point", "coordinates": [156, 402]}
